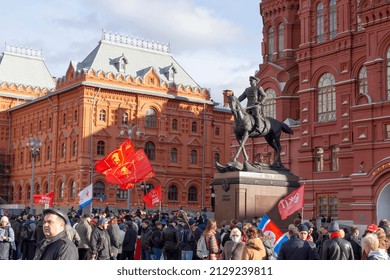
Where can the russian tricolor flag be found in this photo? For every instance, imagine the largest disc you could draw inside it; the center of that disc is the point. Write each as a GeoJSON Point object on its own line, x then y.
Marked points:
{"type": "Point", "coordinates": [270, 229]}
{"type": "Point", "coordinates": [85, 196]}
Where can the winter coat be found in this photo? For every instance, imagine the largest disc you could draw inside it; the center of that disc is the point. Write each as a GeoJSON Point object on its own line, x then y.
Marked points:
{"type": "Point", "coordinates": [232, 251]}
{"type": "Point", "coordinates": [337, 249]}
{"type": "Point", "coordinates": [254, 250]}
{"type": "Point", "coordinates": [157, 238]}
{"type": "Point", "coordinates": [72, 234]}
{"type": "Point", "coordinates": [171, 238]}
{"type": "Point", "coordinates": [58, 248]}
{"type": "Point", "coordinates": [84, 229]}
{"type": "Point", "coordinates": [379, 254]}
{"type": "Point", "coordinates": [297, 249]}
{"type": "Point", "coordinates": [145, 238]}
{"type": "Point", "coordinates": [114, 232]}
{"type": "Point", "coordinates": [101, 244]}
{"type": "Point", "coordinates": [130, 240]}
{"type": "Point", "coordinates": [6, 244]}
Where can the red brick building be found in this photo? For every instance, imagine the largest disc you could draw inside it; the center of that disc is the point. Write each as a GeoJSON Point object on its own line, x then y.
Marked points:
{"type": "Point", "coordinates": [125, 87]}
{"type": "Point", "coordinates": [326, 70]}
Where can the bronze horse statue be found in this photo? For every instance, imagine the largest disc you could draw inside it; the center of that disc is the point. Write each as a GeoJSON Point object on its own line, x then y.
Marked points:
{"type": "Point", "coordinates": [244, 128]}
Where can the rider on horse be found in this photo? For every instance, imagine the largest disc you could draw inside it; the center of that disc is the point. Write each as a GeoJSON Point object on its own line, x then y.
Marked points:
{"type": "Point", "coordinates": [256, 97]}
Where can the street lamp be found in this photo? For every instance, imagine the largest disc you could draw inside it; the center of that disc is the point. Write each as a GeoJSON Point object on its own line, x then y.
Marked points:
{"type": "Point", "coordinates": [129, 130]}
{"type": "Point", "coordinates": [34, 144]}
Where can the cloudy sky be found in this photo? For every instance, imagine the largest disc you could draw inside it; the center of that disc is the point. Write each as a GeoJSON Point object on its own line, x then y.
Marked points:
{"type": "Point", "coordinates": [216, 41]}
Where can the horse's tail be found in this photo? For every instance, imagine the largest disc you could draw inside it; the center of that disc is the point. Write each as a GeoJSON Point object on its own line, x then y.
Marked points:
{"type": "Point", "coordinates": [286, 128]}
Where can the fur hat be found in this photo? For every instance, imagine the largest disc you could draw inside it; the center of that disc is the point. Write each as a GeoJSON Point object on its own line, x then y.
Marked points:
{"type": "Point", "coordinates": [333, 227]}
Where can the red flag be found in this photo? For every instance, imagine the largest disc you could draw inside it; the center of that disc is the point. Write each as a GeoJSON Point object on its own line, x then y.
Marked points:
{"type": "Point", "coordinates": [43, 199]}
{"type": "Point", "coordinates": [116, 158]}
{"type": "Point", "coordinates": [291, 203]}
{"type": "Point", "coordinates": [153, 197]}
{"type": "Point", "coordinates": [134, 170]}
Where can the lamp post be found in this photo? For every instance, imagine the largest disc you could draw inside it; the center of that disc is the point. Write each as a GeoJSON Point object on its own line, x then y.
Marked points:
{"type": "Point", "coordinates": [129, 130]}
{"type": "Point", "coordinates": [34, 144]}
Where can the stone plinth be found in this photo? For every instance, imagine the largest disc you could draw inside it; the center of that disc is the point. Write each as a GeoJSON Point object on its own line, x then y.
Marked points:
{"type": "Point", "coordinates": [243, 195]}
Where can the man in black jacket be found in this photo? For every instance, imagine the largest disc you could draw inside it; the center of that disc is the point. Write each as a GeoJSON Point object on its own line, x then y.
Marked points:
{"type": "Point", "coordinates": [56, 245]}
{"type": "Point", "coordinates": [336, 248]}
{"type": "Point", "coordinates": [128, 246]}
{"type": "Point", "coordinates": [171, 240]}
{"type": "Point", "coordinates": [296, 248]}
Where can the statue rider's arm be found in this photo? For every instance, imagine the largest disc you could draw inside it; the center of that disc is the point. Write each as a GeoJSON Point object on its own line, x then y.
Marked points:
{"type": "Point", "coordinates": [242, 96]}
{"type": "Point", "coordinates": [262, 95]}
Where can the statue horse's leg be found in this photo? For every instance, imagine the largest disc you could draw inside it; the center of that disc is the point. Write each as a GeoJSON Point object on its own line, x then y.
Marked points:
{"type": "Point", "coordinates": [242, 140]}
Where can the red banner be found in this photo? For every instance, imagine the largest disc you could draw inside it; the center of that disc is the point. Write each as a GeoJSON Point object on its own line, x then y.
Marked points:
{"type": "Point", "coordinates": [137, 168]}
{"type": "Point", "coordinates": [116, 158]}
{"type": "Point", "coordinates": [291, 203]}
{"type": "Point", "coordinates": [43, 199]}
{"type": "Point", "coordinates": [153, 197]}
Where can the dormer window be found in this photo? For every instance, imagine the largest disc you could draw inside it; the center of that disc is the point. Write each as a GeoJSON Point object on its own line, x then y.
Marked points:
{"type": "Point", "coordinates": [170, 72]}
{"type": "Point", "coordinates": [120, 63]}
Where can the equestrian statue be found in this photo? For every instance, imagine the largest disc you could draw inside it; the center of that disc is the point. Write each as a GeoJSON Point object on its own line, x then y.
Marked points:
{"type": "Point", "coordinates": [250, 122]}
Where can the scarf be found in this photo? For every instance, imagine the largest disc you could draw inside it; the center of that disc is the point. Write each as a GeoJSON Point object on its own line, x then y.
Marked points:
{"type": "Point", "coordinates": [335, 234]}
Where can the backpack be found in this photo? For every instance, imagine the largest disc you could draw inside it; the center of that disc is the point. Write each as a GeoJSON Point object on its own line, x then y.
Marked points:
{"type": "Point", "coordinates": [26, 232]}
{"type": "Point", "coordinates": [201, 248]}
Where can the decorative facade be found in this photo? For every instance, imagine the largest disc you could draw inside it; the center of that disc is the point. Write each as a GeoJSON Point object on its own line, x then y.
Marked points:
{"type": "Point", "coordinates": [326, 64]}
{"type": "Point", "coordinates": [125, 87]}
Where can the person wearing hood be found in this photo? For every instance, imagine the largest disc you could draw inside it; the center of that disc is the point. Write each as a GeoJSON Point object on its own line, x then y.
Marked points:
{"type": "Point", "coordinates": [268, 245]}
{"type": "Point", "coordinates": [370, 244]}
{"type": "Point", "coordinates": [7, 238]}
{"type": "Point", "coordinates": [233, 248]}
{"type": "Point", "coordinates": [254, 248]}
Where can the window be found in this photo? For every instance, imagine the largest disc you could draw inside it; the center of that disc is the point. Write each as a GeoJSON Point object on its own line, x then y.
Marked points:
{"type": "Point", "coordinates": [173, 155]}
{"type": "Point", "coordinates": [332, 19]}
{"type": "Point", "coordinates": [49, 123]}
{"type": "Point", "coordinates": [269, 107]}
{"type": "Point", "coordinates": [271, 43]}
{"type": "Point", "coordinates": [192, 194]}
{"type": "Point", "coordinates": [387, 131]}
{"type": "Point", "coordinates": [327, 205]}
{"type": "Point", "coordinates": [28, 192]}
{"type": "Point", "coordinates": [363, 88]}
{"type": "Point", "coordinates": [217, 131]}
{"type": "Point", "coordinates": [73, 189]}
{"type": "Point", "coordinates": [388, 74]}
{"type": "Point", "coordinates": [46, 187]}
{"type": "Point", "coordinates": [21, 158]}
{"type": "Point", "coordinates": [40, 126]}
{"type": "Point", "coordinates": [319, 159]}
{"type": "Point", "coordinates": [125, 118]}
{"type": "Point", "coordinates": [75, 115]}
{"type": "Point", "coordinates": [150, 150]}
{"type": "Point", "coordinates": [61, 190]}
{"type": "Point", "coordinates": [334, 158]}
{"type": "Point", "coordinates": [63, 150]}
{"type": "Point", "coordinates": [20, 193]}
{"type": "Point", "coordinates": [172, 193]}
{"type": "Point", "coordinates": [174, 124]}
{"type": "Point", "coordinates": [151, 118]}
{"type": "Point", "coordinates": [48, 153]}
{"type": "Point", "coordinates": [100, 149]}
{"type": "Point", "coordinates": [326, 98]}
{"type": "Point", "coordinates": [64, 119]}
{"type": "Point", "coordinates": [194, 127]}
{"type": "Point", "coordinates": [121, 194]}
{"type": "Point", "coordinates": [320, 23]}
{"type": "Point", "coordinates": [74, 148]}
{"type": "Point", "coordinates": [98, 189]}
{"type": "Point", "coordinates": [216, 157]}
{"type": "Point", "coordinates": [102, 115]}
{"type": "Point", "coordinates": [193, 157]}
{"type": "Point", "coordinates": [37, 189]}
{"type": "Point", "coordinates": [280, 39]}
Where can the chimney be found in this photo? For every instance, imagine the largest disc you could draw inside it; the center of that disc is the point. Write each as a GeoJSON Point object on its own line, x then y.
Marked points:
{"type": "Point", "coordinates": [226, 92]}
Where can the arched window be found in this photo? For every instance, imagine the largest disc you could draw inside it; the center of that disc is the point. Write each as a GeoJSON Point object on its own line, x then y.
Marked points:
{"type": "Point", "coordinates": [100, 149]}
{"type": "Point", "coordinates": [194, 127]}
{"type": "Point", "coordinates": [46, 187]}
{"type": "Point", "coordinates": [75, 115]}
{"type": "Point", "coordinates": [217, 131]}
{"type": "Point", "coordinates": [40, 126]}
{"type": "Point", "coordinates": [332, 19]}
{"type": "Point", "coordinates": [172, 193]}
{"type": "Point", "coordinates": [102, 115]}
{"type": "Point", "coordinates": [150, 150]}
{"type": "Point", "coordinates": [20, 193]}
{"type": "Point", "coordinates": [73, 189]}
{"type": "Point", "coordinates": [125, 118]}
{"type": "Point", "coordinates": [151, 118]}
{"type": "Point", "coordinates": [49, 123]}
{"type": "Point", "coordinates": [216, 157]}
{"type": "Point", "coordinates": [335, 158]}
{"type": "Point", "coordinates": [388, 73]}
{"type": "Point", "coordinates": [192, 194]}
{"type": "Point", "coordinates": [74, 148]}
{"type": "Point", "coordinates": [28, 192]}
{"type": "Point", "coordinates": [173, 155]}
{"type": "Point", "coordinates": [174, 124]}
{"type": "Point", "coordinates": [64, 119]}
{"type": "Point", "coordinates": [269, 107]}
{"type": "Point", "coordinates": [48, 153]}
{"type": "Point", "coordinates": [280, 39]}
{"type": "Point", "coordinates": [194, 157]}
{"type": "Point", "coordinates": [326, 98]}
{"type": "Point", "coordinates": [61, 190]}
{"type": "Point", "coordinates": [63, 150]}
{"type": "Point", "coordinates": [271, 43]}
{"type": "Point", "coordinates": [320, 22]}
{"type": "Point", "coordinates": [363, 86]}
{"type": "Point", "coordinates": [37, 189]}
{"type": "Point", "coordinates": [98, 189]}
{"type": "Point", "coordinates": [319, 159]}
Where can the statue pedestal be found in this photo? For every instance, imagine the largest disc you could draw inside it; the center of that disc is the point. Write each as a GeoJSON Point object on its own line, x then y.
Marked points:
{"type": "Point", "coordinates": [242, 195]}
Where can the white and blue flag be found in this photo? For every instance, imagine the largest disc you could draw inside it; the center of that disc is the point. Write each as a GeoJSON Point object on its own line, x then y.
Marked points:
{"type": "Point", "coordinates": [85, 196]}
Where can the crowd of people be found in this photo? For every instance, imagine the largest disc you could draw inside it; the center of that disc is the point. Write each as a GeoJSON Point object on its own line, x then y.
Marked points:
{"type": "Point", "coordinates": [142, 235]}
